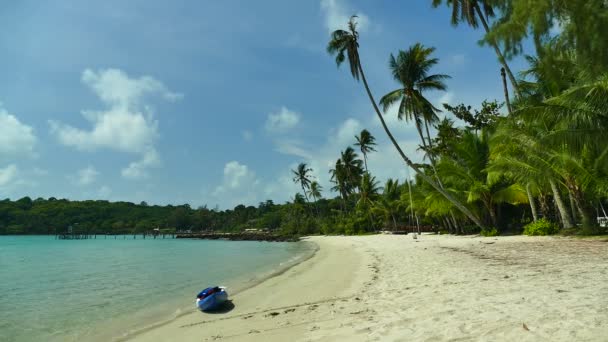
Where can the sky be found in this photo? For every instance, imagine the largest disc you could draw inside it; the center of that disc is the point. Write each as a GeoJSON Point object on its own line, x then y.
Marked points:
{"type": "Point", "coordinates": [208, 102]}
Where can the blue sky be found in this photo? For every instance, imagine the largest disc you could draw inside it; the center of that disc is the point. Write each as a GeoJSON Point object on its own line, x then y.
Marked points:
{"type": "Point", "coordinates": [206, 102]}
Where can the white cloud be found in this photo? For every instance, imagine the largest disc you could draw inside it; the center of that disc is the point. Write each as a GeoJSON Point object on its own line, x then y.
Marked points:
{"type": "Point", "coordinates": [383, 164]}
{"type": "Point", "coordinates": [137, 170]}
{"type": "Point", "coordinates": [239, 186]}
{"type": "Point", "coordinates": [127, 125]}
{"type": "Point", "coordinates": [247, 135]}
{"type": "Point", "coordinates": [8, 175]}
{"type": "Point", "coordinates": [16, 138]}
{"type": "Point", "coordinates": [86, 176]}
{"type": "Point", "coordinates": [282, 121]}
{"type": "Point", "coordinates": [337, 13]}
{"type": "Point", "coordinates": [447, 97]}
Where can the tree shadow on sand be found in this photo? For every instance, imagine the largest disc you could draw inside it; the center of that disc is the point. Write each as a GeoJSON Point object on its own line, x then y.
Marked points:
{"type": "Point", "coordinates": [225, 307]}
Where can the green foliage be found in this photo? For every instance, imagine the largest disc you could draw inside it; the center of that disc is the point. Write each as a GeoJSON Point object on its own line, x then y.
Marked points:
{"type": "Point", "coordinates": [541, 227]}
{"type": "Point", "coordinates": [489, 232]}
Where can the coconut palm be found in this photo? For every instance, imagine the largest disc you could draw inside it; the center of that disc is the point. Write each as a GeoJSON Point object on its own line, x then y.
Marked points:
{"type": "Point", "coordinates": [302, 177]}
{"type": "Point", "coordinates": [368, 194]}
{"type": "Point", "coordinates": [388, 204]}
{"type": "Point", "coordinates": [411, 70]}
{"type": "Point", "coordinates": [467, 172]}
{"type": "Point", "coordinates": [353, 167]}
{"type": "Point", "coordinates": [315, 190]}
{"type": "Point", "coordinates": [345, 43]}
{"type": "Point", "coordinates": [366, 142]}
{"type": "Point", "coordinates": [472, 12]}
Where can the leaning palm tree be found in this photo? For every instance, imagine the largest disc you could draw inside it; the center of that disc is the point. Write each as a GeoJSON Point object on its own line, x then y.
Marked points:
{"type": "Point", "coordinates": [366, 142]}
{"type": "Point", "coordinates": [472, 12]}
{"type": "Point", "coordinates": [411, 69]}
{"type": "Point", "coordinates": [302, 177]}
{"type": "Point", "coordinates": [345, 43]}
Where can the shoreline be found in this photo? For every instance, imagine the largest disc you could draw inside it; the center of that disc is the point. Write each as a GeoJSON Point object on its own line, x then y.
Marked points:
{"type": "Point", "coordinates": [437, 287]}
{"type": "Point", "coordinates": [248, 283]}
{"type": "Point", "coordinates": [294, 287]}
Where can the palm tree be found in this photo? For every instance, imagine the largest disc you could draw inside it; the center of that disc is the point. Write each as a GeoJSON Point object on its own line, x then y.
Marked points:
{"type": "Point", "coordinates": [302, 177]}
{"type": "Point", "coordinates": [411, 69]}
{"type": "Point", "coordinates": [315, 190]}
{"type": "Point", "coordinates": [470, 11]}
{"type": "Point", "coordinates": [368, 194]}
{"type": "Point", "coordinates": [366, 142]}
{"type": "Point", "coordinates": [353, 167]}
{"type": "Point", "coordinates": [345, 43]}
{"type": "Point", "coordinates": [388, 204]}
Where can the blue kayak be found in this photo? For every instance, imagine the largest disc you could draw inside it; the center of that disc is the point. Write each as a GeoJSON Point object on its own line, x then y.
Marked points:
{"type": "Point", "coordinates": [211, 298]}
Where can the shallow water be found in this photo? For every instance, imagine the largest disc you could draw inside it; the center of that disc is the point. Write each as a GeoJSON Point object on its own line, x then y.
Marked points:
{"type": "Point", "coordinates": [101, 289]}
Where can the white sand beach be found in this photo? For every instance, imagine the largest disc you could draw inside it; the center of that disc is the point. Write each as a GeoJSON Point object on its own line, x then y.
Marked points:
{"type": "Point", "coordinates": [435, 288]}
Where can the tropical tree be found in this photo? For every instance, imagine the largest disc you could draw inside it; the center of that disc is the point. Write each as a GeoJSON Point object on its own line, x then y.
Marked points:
{"type": "Point", "coordinates": [302, 177]}
{"type": "Point", "coordinates": [472, 12]}
{"type": "Point", "coordinates": [366, 142]}
{"type": "Point", "coordinates": [315, 190]}
{"type": "Point", "coordinates": [369, 190]}
{"type": "Point", "coordinates": [411, 70]}
{"type": "Point", "coordinates": [353, 166]}
{"type": "Point", "coordinates": [345, 44]}
{"type": "Point", "coordinates": [467, 172]}
{"type": "Point", "coordinates": [339, 178]}
{"type": "Point", "coordinates": [389, 203]}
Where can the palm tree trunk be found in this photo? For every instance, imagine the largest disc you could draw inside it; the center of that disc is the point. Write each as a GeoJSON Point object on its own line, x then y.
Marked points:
{"type": "Point", "coordinates": [573, 207]}
{"type": "Point", "coordinates": [365, 160]}
{"type": "Point", "coordinates": [501, 57]}
{"type": "Point", "coordinates": [561, 207]}
{"type": "Point", "coordinates": [532, 203]}
{"type": "Point", "coordinates": [431, 157]}
{"type": "Point", "coordinates": [456, 225]}
{"type": "Point", "coordinates": [506, 90]}
{"type": "Point", "coordinates": [409, 163]}
{"type": "Point", "coordinates": [394, 222]}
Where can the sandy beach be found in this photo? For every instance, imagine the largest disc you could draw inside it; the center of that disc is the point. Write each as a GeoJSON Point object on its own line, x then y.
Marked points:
{"type": "Point", "coordinates": [435, 288]}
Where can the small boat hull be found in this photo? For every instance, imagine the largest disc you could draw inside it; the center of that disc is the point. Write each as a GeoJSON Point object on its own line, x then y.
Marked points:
{"type": "Point", "coordinates": [212, 301]}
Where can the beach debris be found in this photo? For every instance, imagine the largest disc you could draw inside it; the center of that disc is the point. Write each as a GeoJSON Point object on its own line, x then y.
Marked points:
{"type": "Point", "coordinates": [525, 327]}
{"type": "Point", "coordinates": [253, 331]}
{"type": "Point", "coordinates": [248, 316]}
{"type": "Point", "coordinates": [289, 310]}
{"type": "Point", "coordinates": [506, 277]}
{"type": "Point", "coordinates": [273, 314]}
{"type": "Point", "coordinates": [357, 298]}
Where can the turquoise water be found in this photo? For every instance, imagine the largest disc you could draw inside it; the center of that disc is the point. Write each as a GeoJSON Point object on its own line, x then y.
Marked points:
{"type": "Point", "coordinates": [101, 289]}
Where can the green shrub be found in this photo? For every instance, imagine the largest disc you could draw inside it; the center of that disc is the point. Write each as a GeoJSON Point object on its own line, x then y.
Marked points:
{"type": "Point", "coordinates": [541, 227]}
{"type": "Point", "coordinates": [489, 232]}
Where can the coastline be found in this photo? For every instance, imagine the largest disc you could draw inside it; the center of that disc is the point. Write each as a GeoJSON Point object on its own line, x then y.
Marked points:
{"type": "Point", "coordinates": [302, 286]}
{"type": "Point", "coordinates": [436, 288]}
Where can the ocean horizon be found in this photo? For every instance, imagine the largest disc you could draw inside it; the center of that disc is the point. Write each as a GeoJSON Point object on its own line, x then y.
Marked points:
{"type": "Point", "coordinates": [103, 289]}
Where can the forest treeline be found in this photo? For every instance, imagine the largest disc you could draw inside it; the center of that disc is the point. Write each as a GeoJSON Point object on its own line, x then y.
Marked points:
{"type": "Point", "coordinates": [534, 161]}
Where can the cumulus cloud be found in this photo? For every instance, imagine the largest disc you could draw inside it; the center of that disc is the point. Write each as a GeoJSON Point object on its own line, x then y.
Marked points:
{"type": "Point", "coordinates": [8, 175]}
{"type": "Point", "coordinates": [86, 176]}
{"type": "Point", "coordinates": [383, 164]}
{"type": "Point", "coordinates": [282, 121]}
{"type": "Point", "coordinates": [137, 170]}
{"type": "Point", "coordinates": [337, 13]}
{"type": "Point", "coordinates": [16, 138]}
{"type": "Point", "coordinates": [126, 125]}
{"type": "Point", "coordinates": [239, 186]}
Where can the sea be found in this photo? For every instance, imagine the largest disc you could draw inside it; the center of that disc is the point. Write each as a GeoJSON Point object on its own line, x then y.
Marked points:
{"type": "Point", "coordinates": [110, 288]}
